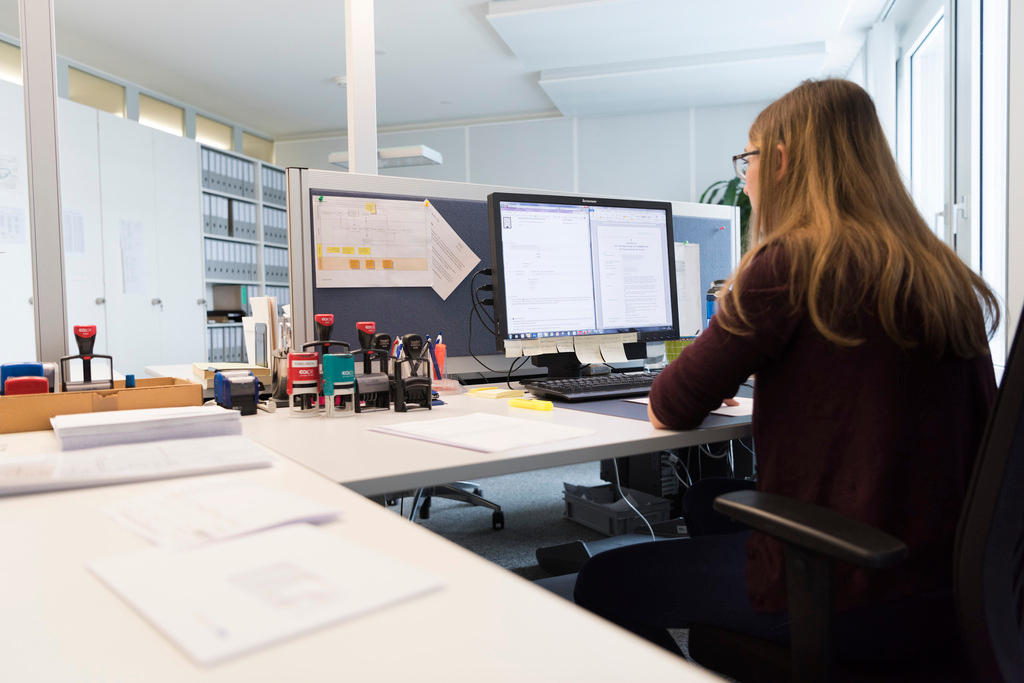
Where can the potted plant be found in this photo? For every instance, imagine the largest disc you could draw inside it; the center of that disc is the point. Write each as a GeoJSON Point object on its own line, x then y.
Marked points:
{"type": "Point", "coordinates": [730, 193]}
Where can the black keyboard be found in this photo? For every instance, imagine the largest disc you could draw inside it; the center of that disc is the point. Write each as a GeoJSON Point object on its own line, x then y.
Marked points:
{"type": "Point", "coordinates": [592, 388]}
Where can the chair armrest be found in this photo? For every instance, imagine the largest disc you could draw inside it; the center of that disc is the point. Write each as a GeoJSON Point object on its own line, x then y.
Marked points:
{"type": "Point", "coordinates": [813, 527]}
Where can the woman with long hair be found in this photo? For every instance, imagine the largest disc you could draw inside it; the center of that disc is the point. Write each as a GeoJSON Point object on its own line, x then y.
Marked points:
{"type": "Point", "coordinates": [868, 340]}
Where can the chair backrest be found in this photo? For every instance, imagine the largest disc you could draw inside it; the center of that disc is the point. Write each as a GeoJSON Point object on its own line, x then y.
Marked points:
{"type": "Point", "coordinates": [989, 555]}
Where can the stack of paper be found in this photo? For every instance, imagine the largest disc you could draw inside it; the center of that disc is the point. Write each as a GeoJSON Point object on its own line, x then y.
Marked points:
{"type": "Point", "coordinates": [224, 599]}
{"type": "Point", "coordinates": [89, 430]}
{"type": "Point", "coordinates": [128, 463]}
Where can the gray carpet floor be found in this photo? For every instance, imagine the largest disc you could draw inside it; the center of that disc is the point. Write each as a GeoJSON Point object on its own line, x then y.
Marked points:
{"type": "Point", "coordinates": [534, 517]}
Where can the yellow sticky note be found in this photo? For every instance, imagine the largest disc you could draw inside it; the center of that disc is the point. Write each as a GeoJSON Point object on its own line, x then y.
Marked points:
{"type": "Point", "coordinates": [364, 251]}
{"type": "Point", "coordinates": [319, 251]}
{"type": "Point", "coordinates": [333, 250]}
{"type": "Point", "coordinates": [353, 264]}
{"type": "Point", "coordinates": [348, 250]}
{"type": "Point", "coordinates": [371, 207]}
{"type": "Point", "coordinates": [370, 265]}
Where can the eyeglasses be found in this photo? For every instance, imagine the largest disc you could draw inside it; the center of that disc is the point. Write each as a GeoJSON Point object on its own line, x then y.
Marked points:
{"type": "Point", "coordinates": [741, 162]}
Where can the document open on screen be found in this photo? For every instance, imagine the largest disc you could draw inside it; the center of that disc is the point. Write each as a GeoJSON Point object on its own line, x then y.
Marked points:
{"type": "Point", "coordinates": [548, 268]}
{"type": "Point", "coordinates": [577, 269]}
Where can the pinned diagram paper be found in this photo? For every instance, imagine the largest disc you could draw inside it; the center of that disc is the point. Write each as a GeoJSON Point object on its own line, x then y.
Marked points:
{"type": "Point", "coordinates": [378, 243]}
{"type": "Point", "coordinates": [133, 257]}
{"type": "Point", "coordinates": [688, 291]}
{"type": "Point", "coordinates": [452, 259]}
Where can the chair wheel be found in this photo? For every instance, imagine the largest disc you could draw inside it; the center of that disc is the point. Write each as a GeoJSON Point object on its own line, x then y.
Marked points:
{"type": "Point", "coordinates": [478, 492]}
{"type": "Point", "coordinates": [390, 502]}
{"type": "Point", "coordinates": [425, 509]}
{"type": "Point", "coordinates": [498, 520]}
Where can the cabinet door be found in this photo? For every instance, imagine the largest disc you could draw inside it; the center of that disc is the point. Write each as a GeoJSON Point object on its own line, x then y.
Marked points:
{"type": "Point", "coordinates": [17, 341]}
{"type": "Point", "coordinates": [129, 243]}
{"type": "Point", "coordinates": [81, 221]}
{"type": "Point", "coordinates": [179, 241]}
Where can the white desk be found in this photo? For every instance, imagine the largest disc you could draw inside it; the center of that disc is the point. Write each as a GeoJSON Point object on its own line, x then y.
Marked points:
{"type": "Point", "coordinates": [372, 463]}
{"type": "Point", "coordinates": [61, 624]}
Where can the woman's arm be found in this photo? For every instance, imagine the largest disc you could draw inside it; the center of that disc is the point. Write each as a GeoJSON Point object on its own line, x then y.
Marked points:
{"type": "Point", "coordinates": [718, 362]}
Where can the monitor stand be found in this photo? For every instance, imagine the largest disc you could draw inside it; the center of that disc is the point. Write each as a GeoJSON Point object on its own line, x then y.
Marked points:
{"type": "Point", "coordinates": [559, 365]}
{"type": "Point", "coordinates": [566, 365]}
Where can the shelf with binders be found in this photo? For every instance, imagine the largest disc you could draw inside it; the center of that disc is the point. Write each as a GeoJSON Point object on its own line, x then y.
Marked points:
{"type": "Point", "coordinates": [272, 185]}
{"type": "Point", "coordinates": [245, 233]}
{"type": "Point", "coordinates": [226, 342]}
{"type": "Point", "coordinates": [227, 173]}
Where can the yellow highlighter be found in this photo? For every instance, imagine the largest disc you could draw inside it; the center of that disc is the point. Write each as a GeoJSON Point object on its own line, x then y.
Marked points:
{"type": "Point", "coordinates": [531, 403]}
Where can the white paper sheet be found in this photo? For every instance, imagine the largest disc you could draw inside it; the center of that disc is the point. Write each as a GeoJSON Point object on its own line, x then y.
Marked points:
{"type": "Point", "coordinates": [183, 515]}
{"type": "Point", "coordinates": [127, 463]}
{"type": "Point", "coordinates": [224, 599]}
{"type": "Point", "coordinates": [746, 406]}
{"type": "Point", "coordinates": [13, 226]}
{"type": "Point", "coordinates": [73, 225]}
{"type": "Point", "coordinates": [451, 258]}
{"type": "Point", "coordinates": [484, 432]}
{"type": "Point", "coordinates": [134, 273]}
{"type": "Point", "coordinates": [371, 242]}
{"type": "Point", "coordinates": [688, 292]}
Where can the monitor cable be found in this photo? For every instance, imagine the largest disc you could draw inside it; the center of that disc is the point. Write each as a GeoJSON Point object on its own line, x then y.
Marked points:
{"type": "Point", "coordinates": [632, 507]}
{"type": "Point", "coordinates": [474, 311]}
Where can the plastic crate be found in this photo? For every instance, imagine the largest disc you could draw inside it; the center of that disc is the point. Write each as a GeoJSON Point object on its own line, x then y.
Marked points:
{"type": "Point", "coordinates": [601, 508]}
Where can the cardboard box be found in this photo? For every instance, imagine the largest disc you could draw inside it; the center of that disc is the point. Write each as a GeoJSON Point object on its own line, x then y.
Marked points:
{"type": "Point", "coordinates": [32, 412]}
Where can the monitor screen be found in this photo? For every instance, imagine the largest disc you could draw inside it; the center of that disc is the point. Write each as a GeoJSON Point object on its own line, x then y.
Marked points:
{"type": "Point", "coordinates": [573, 266]}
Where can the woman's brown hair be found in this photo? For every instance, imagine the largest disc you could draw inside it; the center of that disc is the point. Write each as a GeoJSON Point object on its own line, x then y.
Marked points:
{"type": "Point", "coordinates": [849, 231]}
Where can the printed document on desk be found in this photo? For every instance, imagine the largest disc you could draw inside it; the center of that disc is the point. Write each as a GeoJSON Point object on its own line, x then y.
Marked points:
{"type": "Point", "coordinates": [129, 463]}
{"type": "Point", "coordinates": [222, 600]}
{"type": "Point", "coordinates": [745, 407]}
{"type": "Point", "coordinates": [484, 432]}
{"type": "Point", "coordinates": [181, 515]}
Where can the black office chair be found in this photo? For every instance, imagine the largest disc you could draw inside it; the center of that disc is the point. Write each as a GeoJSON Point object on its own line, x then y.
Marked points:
{"type": "Point", "coordinates": [988, 569]}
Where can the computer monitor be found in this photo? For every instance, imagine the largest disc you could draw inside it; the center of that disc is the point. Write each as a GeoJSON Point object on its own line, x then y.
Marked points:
{"type": "Point", "coordinates": [576, 266]}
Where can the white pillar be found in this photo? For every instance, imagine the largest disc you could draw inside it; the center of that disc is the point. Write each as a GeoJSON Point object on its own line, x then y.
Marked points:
{"type": "Point", "coordinates": [39, 74]}
{"type": "Point", "coordinates": [361, 75]}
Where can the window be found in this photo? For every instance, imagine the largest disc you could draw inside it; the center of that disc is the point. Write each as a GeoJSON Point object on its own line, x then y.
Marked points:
{"type": "Point", "coordinates": [213, 133]}
{"type": "Point", "coordinates": [257, 147]}
{"type": "Point", "coordinates": [10, 63]}
{"type": "Point", "coordinates": [96, 92]}
{"type": "Point", "coordinates": [925, 65]}
{"type": "Point", "coordinates": [161, 115]}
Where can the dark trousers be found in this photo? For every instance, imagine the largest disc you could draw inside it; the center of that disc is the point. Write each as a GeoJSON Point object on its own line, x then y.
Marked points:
{"type": "Point", "coordinates": [650, 587]}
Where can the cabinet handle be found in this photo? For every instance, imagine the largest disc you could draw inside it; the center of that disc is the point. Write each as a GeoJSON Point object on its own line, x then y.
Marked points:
{"type": "Point", "coordinates": [201, 302]}
{"type": "Point", "coordinates": [100, 301]}
{"type": "Point", "coordinates": [157, 302]}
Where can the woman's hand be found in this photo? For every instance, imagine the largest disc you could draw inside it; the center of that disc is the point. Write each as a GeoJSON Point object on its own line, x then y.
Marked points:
{"type": "Point", "coordinates": [658, 424]}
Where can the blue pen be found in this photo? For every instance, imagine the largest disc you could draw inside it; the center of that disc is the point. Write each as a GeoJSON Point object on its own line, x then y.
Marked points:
{"type": "Point", "coordinates": [433, 358]}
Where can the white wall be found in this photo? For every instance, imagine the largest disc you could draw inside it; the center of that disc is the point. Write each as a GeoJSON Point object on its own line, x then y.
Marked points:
{"type": "Point", "coordinates": [662, 155]}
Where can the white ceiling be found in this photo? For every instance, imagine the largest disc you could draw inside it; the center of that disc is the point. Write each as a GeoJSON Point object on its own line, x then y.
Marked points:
{"type": "Point", "coordinates": [271, 65]}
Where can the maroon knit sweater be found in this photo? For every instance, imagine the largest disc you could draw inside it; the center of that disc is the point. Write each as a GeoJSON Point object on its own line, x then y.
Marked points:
{"type": "Point", "coordinates": [875, 432]}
